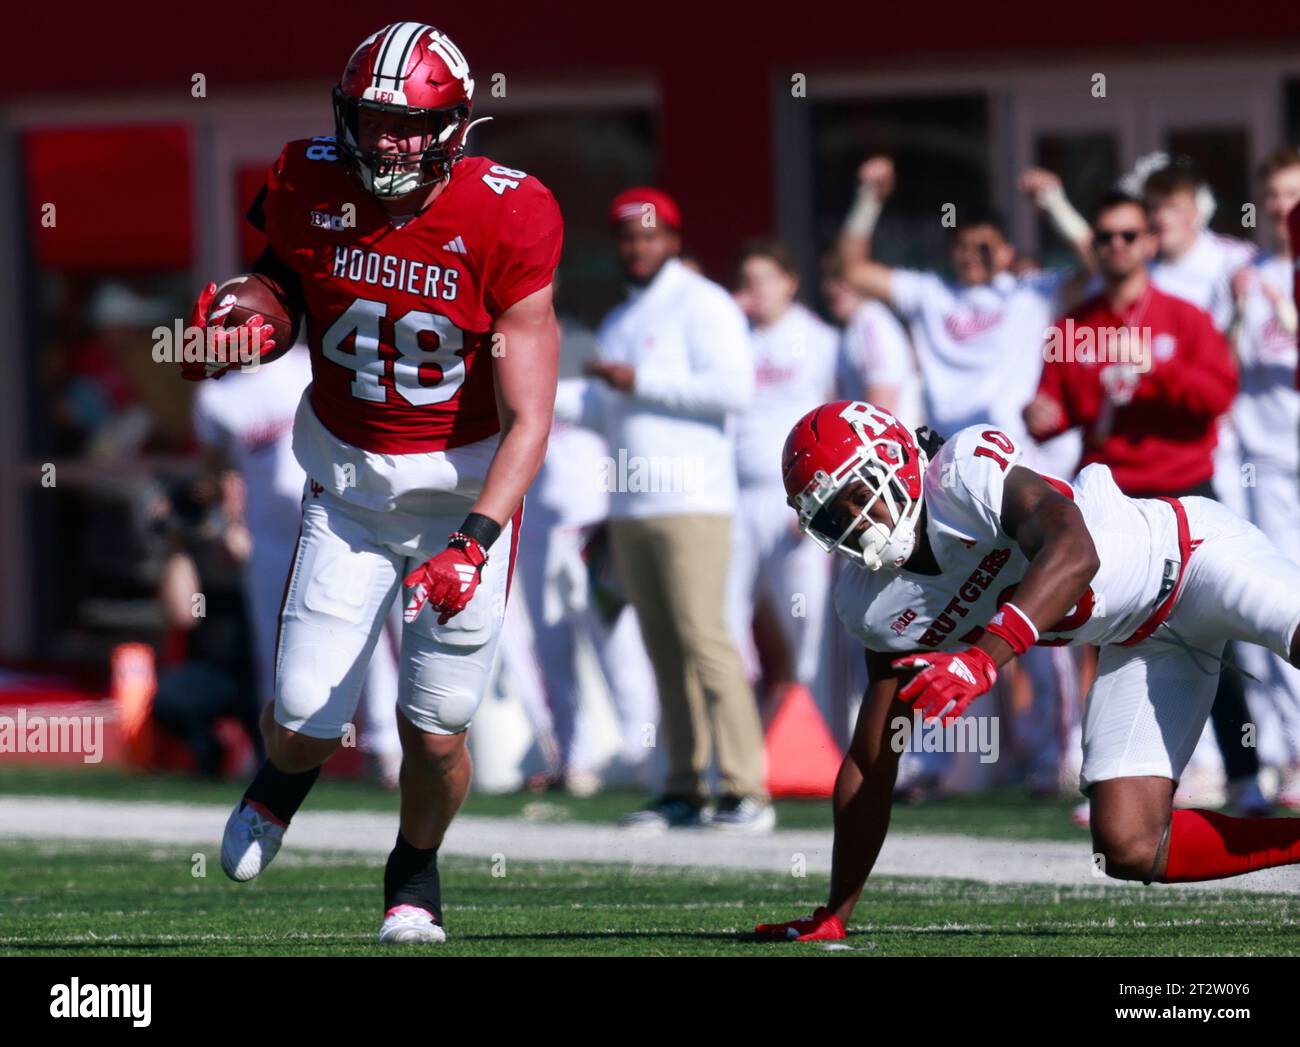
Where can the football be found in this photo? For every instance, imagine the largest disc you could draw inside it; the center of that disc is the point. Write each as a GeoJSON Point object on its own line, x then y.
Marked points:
{"type": "Point", "coordinates": [248, 295]}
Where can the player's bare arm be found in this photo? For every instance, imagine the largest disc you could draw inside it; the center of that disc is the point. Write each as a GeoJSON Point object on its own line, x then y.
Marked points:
{"type": "Point", "coordinates": [525, 362]}
{"type": "Point", "coordinates": [1050, 530]}
{"type": "Point", "coordinates": [860, 271]}
{"type": "Point", "coordinates": [525, 370]}
{"type": "Point", "coordinates": [864, 788]}
{"type": "Point", "coordinates": [863, 801]}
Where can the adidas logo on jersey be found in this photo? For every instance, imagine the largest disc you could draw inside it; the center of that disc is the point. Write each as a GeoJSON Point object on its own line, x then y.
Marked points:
{"type": "Point", "coordinates": [456, 246]}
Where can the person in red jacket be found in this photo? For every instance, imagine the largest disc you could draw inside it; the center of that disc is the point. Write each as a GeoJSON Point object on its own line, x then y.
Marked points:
{"type": "Point", "coordinates": [1147, 376]}
{"type": "Point", "coordinates": [1144, 374]}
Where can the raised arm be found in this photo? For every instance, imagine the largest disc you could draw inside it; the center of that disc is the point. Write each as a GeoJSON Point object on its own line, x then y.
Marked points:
{"type": "Point", "coordinates": [875, 183]}
{"type": "Point", "coordinates": [1044, 188]}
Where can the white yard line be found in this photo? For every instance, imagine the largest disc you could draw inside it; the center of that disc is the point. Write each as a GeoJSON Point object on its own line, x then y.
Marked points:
{"type": "Point", "coordinates": [942, 855]}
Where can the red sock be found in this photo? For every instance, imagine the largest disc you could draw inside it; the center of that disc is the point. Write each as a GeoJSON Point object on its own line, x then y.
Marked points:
{"type": "Point", "coordinates": [1206, 845]}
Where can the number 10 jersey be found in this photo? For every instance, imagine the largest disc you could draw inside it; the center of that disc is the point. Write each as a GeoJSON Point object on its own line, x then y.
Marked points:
{"type": "Point", "coordinates": [902, 611]}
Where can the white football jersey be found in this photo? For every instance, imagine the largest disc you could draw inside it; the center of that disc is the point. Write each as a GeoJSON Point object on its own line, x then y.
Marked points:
{"type": "Point", "coordinates": [901, 610]}
{"type": "Point", "coordinates": [794, 371]}
{"type": "Point", "coordinates": [1266, 412]}
{"type": "Point", "coordinates": [1203, 276]}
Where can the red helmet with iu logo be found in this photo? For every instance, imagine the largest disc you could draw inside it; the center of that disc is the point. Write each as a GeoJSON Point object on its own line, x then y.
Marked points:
{"type": "Point", "coordinates": [846, 443]}
{"type": "Point", "coordinates": [416, 81]}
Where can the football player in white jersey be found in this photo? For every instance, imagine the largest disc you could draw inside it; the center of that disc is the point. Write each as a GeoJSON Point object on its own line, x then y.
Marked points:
{"type": "Point", "coordinates": [794, 370]}
{"type": "Point", "coordinates": [978, 339]}
{"type": "Point", "coordinates": [963, 557]}
{"type": "Point", "coordinates": [1266, 417]}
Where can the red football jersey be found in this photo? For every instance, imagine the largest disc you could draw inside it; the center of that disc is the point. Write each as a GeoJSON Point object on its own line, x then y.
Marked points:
{"type": "Point", "coordinates": [399, 318]}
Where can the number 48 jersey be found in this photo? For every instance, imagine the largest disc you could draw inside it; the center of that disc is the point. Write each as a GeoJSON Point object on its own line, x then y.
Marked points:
{"type": "Point", "coordinates": [901, 610]}
{"type": "Point", "coordinates": [399, 318]}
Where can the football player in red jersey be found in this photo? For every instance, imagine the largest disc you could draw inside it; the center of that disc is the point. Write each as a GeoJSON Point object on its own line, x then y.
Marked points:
{"type": "Point", "coordinates": [424, 277]}
{"type": "Point", "coordinates": [960, 558]}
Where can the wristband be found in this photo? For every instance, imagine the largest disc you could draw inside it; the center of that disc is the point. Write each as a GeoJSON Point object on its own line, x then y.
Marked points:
{"type": "Point", "coordinates": [483, 529]}
{"type": "Point", "coordinates": [1012, 625]}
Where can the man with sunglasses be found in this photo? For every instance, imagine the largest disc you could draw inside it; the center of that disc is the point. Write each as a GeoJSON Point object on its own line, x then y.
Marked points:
{"type": "Point", "coordinates": [1195, 264]}
{"type": "Point", "coordinates": [1144, 374]}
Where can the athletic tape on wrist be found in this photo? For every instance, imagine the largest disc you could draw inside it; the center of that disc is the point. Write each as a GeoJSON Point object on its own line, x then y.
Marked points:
{"type": "Point", "coordinates": [861, 220]}
{"type": "Point", "coordinates": [1072, 225]}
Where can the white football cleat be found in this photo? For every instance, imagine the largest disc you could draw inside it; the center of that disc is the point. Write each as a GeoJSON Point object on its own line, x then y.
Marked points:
{"type": "Point", "coordinates": [249, 842]}
{"type": "Point", "coordinates": [405, 924]}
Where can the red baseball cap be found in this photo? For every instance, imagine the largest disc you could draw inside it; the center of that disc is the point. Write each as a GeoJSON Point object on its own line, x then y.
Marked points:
{"type": "Point", "coordinates": [632, 203]}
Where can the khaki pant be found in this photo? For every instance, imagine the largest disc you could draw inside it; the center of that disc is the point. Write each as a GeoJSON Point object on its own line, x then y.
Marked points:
{"type": "Point", "coordinates": [674, 569]}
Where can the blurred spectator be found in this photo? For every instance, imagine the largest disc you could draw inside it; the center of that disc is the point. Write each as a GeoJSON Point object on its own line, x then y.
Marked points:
{"type": "Point", "coordinates": [1266, 416]}
{"type": "Point", "coordinates": [565, 504]}
{"type": "Point", "coordinates": [675, 368]}
{"type": "Point", "coordinates": [978, 336]}
{"type": "Point", "coordinates": [245, 422]}
{"type": "Point", "coordinates": [1149, 404]}
{"type": "Point", "coordinates": [1189, 375]}
{"type": "Point", "coordinates": [876, 361]}
{"type": "Point", "coordinates": [1191, 262]}
{"type": "Point", "coordinates": [201, 592]}
{"type": "Point", "coordinates": [794, 355]}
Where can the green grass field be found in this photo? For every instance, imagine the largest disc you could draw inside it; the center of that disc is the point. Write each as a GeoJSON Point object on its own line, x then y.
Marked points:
{"type": "Point", "coordinates": [110, 901]}
{"type": "Point", "coordinates": [83, 899]}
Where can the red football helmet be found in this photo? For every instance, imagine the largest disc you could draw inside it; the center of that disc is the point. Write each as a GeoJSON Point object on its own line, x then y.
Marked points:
{"type": "Point", "coordinates": [406, 70]}
{"type": "Point", "coordinates": [847, 441]}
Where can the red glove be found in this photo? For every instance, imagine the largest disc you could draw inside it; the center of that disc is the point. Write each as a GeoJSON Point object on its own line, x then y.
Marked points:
{"type": "Point", "coordinates": [447, 582]}
{"type": "Point", "coordinates": [822, 926]}
{"type": "Point", "coordinates": [943, 678]}
{"type": "Point", "coordinates": [221, 344]}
